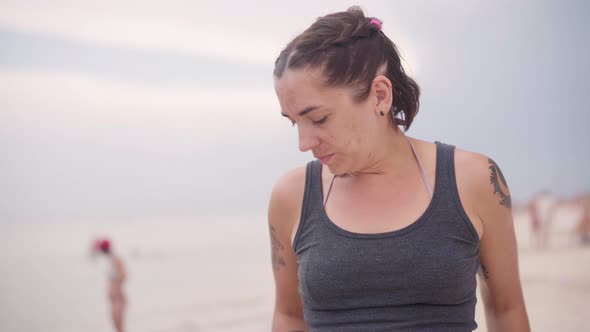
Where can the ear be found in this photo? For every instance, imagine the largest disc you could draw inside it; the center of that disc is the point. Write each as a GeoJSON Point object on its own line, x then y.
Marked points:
{"type": "Point", "coordinates": [382, 91]}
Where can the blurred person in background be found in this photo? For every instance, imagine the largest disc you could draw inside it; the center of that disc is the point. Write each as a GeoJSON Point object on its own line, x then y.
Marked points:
{"type": "Point", "coordinates": [116, 278]}
{"type": "Point", "coordinates": [580, 206]}
{"type": "Point", "coordinates": [583, 226]}
{"type": "Point", "coordinates": [546, 209]}
{"type": "Point", "coordinates": [542, 208]}
{"type": "Point", "coordinates": [382, 232]}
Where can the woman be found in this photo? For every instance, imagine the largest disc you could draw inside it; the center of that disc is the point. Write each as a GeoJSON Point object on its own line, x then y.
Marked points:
{"type": "Point", "coordinates": [116, 278]}
{"type": "Point", "coordinates": [382, 232]}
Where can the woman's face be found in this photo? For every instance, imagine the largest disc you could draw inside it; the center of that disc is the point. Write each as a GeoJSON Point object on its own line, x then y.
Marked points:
{"type": "Point", "coordinates": [337, 129]}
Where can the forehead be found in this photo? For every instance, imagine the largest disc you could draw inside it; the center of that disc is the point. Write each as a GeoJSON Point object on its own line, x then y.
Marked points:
{"type": "Point", "coordinates": [299, 81]}
{"type": "Point", "coordinates": [300, 88]}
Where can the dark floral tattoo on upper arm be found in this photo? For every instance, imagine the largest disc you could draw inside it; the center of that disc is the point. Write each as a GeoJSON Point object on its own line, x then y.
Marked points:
{"type": "Point", "coordinates": [276, 247]}
{"type": "Point", "coordinates": [495, 177]}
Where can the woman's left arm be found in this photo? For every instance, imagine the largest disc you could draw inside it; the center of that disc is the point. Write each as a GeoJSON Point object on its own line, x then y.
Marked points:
{"type": "Point", "coordinates": [498, 275]}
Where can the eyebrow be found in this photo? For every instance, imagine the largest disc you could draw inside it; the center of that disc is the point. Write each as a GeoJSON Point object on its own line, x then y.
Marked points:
{"type": "Point", "coordinates": [305, 111]}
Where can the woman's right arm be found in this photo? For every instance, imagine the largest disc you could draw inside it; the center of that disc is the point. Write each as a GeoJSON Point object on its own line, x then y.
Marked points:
{"type": "Point", "coordinates": [283, 217]}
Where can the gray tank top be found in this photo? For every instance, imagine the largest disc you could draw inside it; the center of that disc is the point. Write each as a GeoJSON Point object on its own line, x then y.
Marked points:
{"type": "Point", "coordinates": [418, 278]}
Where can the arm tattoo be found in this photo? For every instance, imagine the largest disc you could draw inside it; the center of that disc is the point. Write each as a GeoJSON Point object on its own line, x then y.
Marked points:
{"type": "Point", "coordinates": [484, 272]}
{"type": "Point", "coordinates": [277, 260]}
{"type": "Point", "coordinates": [495, 177]}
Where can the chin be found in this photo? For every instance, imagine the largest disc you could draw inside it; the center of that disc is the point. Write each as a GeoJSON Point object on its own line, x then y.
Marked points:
{"type": "Point", "coordinates": [337, 169]}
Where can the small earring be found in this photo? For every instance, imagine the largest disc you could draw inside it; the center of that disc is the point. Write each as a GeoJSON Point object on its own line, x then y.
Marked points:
{"type": "Point", "coordinates": [381, 112]}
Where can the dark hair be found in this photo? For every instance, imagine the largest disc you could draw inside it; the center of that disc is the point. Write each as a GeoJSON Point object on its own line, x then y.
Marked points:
{"type": "Point", "coordinates": [351, 49]}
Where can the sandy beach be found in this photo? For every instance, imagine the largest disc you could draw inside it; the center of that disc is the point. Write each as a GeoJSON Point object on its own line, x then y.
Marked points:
{"type": "Point", "coordinates": [213, 274]}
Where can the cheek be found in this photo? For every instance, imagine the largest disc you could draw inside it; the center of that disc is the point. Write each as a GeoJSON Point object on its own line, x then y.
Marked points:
{"type": "Point", "coordinates": [354, 137]}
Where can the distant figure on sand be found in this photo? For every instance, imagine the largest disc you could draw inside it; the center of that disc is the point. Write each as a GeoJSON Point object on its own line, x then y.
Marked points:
{"type": "Point", "coordinates": [116, 278]}
{"type": "Point", "coordinates": [583, 226]}
{"type": "Point", "coordinates": [581, 204]}
{"type": "Point", "coordinates": [541, 209]}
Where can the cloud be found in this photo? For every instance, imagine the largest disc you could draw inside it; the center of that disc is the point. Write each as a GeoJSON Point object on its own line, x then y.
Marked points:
{"type": "Point", "coordinates": [75, 145]}
{"type": "Point", "coordinates": [42, 52]}
{"type": "Point", "coordinates": [234, 31]}
{"type": "Point", "coordinates": [187, 28]}
{"type": "Point", "coordinates": [70, 93]}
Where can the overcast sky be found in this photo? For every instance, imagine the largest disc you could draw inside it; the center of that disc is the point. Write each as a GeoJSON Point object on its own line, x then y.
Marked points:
{"type": "Point", "coordinates": [122, 108]}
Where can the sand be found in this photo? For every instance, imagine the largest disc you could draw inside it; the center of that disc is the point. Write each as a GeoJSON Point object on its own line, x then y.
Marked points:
{"type": "Point", "coordinates": [214, 274]}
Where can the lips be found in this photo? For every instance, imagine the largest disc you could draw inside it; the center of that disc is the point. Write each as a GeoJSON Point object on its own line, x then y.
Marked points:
{"type": "Point", "coordinates": [325, 159]}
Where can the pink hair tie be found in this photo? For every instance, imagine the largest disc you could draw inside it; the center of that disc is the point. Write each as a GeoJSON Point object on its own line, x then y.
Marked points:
{"type": "Point", "coordinates": [376, 21]}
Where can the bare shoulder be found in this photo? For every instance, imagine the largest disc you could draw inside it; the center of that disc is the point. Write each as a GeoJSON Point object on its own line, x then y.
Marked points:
{"type": "Point", "coordinates": [285, 202]}
{"type": "Point", "coordinates": [119, 260]}
{"type": "Point", "coordinates": [483, 176]}
{"type": "Point", "coordinates": [481, 185]}
{"type": "Point", "coordinates": [118, 263]}
{"type": "Point", "coordinates": [288, 189]}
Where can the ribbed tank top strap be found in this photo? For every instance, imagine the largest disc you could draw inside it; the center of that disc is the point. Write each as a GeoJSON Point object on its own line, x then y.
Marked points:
{"type": "Point", "coordinates": [446, 183]}
{"type": "Point", "coordinates": [444, 166]}
{"type": "Point", "coordinates": [311, 195]}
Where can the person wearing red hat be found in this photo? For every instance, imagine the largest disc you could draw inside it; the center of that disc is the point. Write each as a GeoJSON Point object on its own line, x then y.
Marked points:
{"type": "Point", "coordinates": [116, 279]}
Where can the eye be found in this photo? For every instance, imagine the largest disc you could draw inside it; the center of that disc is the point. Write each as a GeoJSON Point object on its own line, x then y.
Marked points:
{"type": "Point", "coordinates": [320, 121]}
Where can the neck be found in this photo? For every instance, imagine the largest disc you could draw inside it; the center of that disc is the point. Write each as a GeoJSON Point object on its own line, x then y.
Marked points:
{"type": "Point", "coordinates": [393, 156]}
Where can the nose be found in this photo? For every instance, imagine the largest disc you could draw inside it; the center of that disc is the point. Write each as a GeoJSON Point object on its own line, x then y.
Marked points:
{"type": "Point", "coordinates": [307, 139]}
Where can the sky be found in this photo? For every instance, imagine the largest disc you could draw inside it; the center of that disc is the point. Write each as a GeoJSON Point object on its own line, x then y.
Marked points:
{"type": "Point", "coordinates": [123, 109]}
